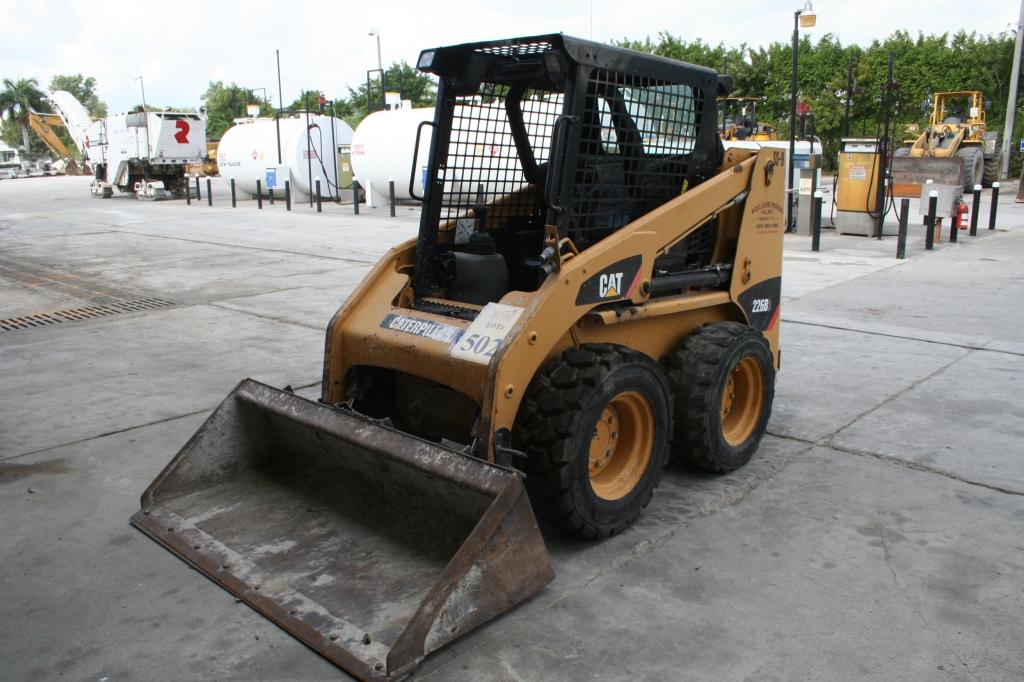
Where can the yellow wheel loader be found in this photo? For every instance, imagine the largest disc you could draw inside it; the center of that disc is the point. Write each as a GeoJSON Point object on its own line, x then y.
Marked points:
{"type": "Point", "coordinates": [594, 288]}
{"type": "Point", "coordinates": [739, 120]}
{"type": "Point", "coordinates": [955, 149]}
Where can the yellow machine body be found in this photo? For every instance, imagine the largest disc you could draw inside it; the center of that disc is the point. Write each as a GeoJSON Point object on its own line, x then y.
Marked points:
{"type": "Point", "coordinates": [392, 516]}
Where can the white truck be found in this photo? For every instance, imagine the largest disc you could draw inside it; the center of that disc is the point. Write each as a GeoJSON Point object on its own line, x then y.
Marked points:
{"type": "Point", "coordinates": [145, 152]}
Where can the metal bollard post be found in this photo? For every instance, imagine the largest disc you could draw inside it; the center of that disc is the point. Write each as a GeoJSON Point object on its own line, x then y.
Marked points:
{"type": "Point", "coordinates": [233, 203]}
{"type": "Point", "coordinates": [355, 197]}
{"type": "Point", "coordinates": [319, 203]}
{"type": "Point", "coordinates": [391, 195]}
{"type": "Point", "coordinates": [995, 204]}
{"type": "Point", "coordinates": [188, 193]}
{"type": "Point", "coordinates": [270, 195]}
{"type": "Point", "coordinates": [259, 194]}
{"type": "Point", "coordinates": [209, 193]}
{"type": "Point", "coordinates": [901, 240]}
{"type": "Point", "coordinates": [974, 210]}
{"type": "Point", "coordinates": [953, 229]}
{"type": "Point", "coordinates": [816, 223]}
{"type": "Point", "coordinates": [288, 194]}
{"type": "Point", "coordinates": [199, 193]}
{"type": "Point", "coordinates": [929, 221]}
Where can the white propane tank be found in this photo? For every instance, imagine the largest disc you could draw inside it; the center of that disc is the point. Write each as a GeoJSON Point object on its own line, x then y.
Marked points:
{"type": "Point", "coordinates": [249, 149]}
{"type": "Point", "coordinates": [382, 149]}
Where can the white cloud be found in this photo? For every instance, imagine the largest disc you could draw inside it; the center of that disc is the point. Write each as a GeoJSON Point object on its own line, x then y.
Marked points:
{"type": "Point", "coordinates": [179, 47]}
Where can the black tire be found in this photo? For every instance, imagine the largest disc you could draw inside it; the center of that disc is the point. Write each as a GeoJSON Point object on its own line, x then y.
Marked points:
{"type": "Point", "coordinates": [991, 173]}
{"type": "Point", "coordinates": [558, 425]}
{"type": "Point", "coordinates": [974, 166]}
{"type": "Point", "coordinates": [700, 372]}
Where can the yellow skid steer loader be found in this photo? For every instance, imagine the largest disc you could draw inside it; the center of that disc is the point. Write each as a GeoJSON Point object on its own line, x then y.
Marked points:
{"type": "Point", "coordinates": [595, 285]}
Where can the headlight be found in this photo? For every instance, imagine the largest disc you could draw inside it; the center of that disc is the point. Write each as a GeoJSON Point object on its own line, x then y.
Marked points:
{"type": "Point", "coordinates": [426, 60]}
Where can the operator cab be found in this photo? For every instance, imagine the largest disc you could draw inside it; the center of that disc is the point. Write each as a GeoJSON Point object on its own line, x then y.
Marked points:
{"type": "Point", "coordinates": [550, 130]}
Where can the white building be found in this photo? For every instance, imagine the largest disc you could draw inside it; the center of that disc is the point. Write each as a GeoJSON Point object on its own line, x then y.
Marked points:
{"type": "Point", "coordinates": [9, 157]}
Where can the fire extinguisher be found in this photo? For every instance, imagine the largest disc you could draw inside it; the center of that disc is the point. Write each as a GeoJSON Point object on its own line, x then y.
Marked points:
{"type": "Point", "coordinates": [961, 216]}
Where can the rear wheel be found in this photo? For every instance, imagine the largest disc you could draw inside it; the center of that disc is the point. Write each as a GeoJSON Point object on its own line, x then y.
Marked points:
{"type": "Point", "coordinates": [595, 425]}
{"type": "Point", "coordinates": [991, 173]}
{"type": "Point", "coordinates": [723, 382]}
{"type": "Point", "coordinates": [974, 166]}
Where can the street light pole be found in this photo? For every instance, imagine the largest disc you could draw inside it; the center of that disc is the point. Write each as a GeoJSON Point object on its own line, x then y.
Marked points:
{"type": "Point", "coordinates": [143, 86]}
{"type": "Point", "coordinates": [802, 17]}
{"type": "Point", "coordinates": [380, 64]}
{"type": "Point", "coordinates": [792, 124]}
{"type": "Point", "coordinates": [1011, 100]}
{"type": "Point", "coordinates": [849, 96]}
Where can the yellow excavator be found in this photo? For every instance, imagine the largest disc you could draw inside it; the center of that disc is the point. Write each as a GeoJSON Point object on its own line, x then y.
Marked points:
{"type": "Point", "coordinates": [45, 126]}
{"type": "Point", "coordinates": [594, 290]}
{"type": "Point", "coordinates": [956, 148]}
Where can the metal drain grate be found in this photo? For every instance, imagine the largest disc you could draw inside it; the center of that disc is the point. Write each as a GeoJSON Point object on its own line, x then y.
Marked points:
{"type": "Point", "coordinates": [76, 314]}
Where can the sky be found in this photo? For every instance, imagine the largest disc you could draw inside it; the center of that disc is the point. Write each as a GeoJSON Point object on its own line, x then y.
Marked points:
{"type": "Point", "coordinates": [179, 47]}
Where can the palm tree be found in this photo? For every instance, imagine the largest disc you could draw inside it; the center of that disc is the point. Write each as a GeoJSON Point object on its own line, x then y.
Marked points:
{"type": "Point", "coordinates": [17, 99]}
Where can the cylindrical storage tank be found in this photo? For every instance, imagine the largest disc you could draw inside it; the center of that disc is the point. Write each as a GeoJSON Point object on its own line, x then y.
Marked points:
{"type": "Point", "coordinates": [382, 149]}
{"type": "Point", "coordinates": [249, 149]}
{"type": "Point", "coordinates": [481, 151]}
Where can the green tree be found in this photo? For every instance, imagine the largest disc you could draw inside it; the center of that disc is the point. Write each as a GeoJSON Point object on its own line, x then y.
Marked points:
{"type": "Point", "coordinates": [400, 77]}
{"type": "Point", "coordinates": [17, 99]}
{"type": "Point", "coordinates": [84, 90]}
{"type": "Point", "coordinates": [307, 99]}
{"type": "Point", "coordinates": [923, 64]}
{"type": "Point", "coordinates": [224, 103]}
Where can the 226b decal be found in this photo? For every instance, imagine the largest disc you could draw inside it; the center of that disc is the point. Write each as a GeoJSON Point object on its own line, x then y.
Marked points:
{"type": "Point", "coordinates": [761, 303]}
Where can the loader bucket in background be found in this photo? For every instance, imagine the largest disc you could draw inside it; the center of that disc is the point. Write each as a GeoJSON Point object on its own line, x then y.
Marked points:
{"type": "Point", "coordinates": [910, 173]}
{"type": "Point", "coordinates": [371, 546]}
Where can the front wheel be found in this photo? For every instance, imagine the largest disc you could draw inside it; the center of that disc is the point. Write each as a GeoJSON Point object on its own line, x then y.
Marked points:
{"type": "Point", "coordinates": [595, 425]}
{"type": "Point", "coordinates": [991, 172]}
{"type": "Point", "coordinates": [723, 382]}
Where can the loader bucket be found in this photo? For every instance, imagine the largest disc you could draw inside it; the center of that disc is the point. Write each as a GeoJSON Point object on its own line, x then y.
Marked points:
{"type": "Point", "coordinates": [909, 173]}
{"type": "Point", "coordinates": [370, 545]}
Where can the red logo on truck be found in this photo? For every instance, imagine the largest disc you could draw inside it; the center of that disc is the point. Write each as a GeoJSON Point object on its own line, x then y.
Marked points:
{"type": "Point", "coordinates": [182, 135]}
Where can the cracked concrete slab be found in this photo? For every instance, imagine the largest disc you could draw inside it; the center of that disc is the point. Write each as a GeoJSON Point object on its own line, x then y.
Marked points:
{"type": "Point", "coordinates": [77, 380]}
{"type": "Point", "coordinates": [962, 291]}
{"type": "Point", "coordinates": [830, 377]}
{"type": "Point", "coordinates": [894, 574]}
{"type": "Point", "coordinates": [86, 596]}
{"type": "Point", "coordinates": [967, 419]}
{"type": "Point", "coordinates": [310, 306]}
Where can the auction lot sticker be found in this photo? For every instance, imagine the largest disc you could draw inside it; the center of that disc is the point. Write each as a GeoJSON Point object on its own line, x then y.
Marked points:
{"type": "Point", "coordinates": [484, 336]}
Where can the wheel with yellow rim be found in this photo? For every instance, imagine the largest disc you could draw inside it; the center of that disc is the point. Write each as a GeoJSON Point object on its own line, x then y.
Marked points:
{"type": "Point", "coordinates": [595, 425]}
{"type": "Point", "coordinates": [723, 384]}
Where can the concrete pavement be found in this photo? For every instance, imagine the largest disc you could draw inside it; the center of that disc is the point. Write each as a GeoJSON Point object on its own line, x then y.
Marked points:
{"type": "Point", "coordinates": [877, 534]}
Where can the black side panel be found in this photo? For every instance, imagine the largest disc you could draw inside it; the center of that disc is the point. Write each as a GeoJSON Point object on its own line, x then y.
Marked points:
{"type": "Point", "coordinates": [613, 283]}
{"type": "Point", "coordinates": [761, 303]}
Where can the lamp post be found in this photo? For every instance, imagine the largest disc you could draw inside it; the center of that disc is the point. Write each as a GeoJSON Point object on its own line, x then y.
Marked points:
{"type": "Point", "coordinates": [375, 32]}
{"type": "Point", "coordinates": [805, 18]}
{"type": "Point", "coordinates": [380, 72]}
{"type": "Point", "coordinates": [143, 86]}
